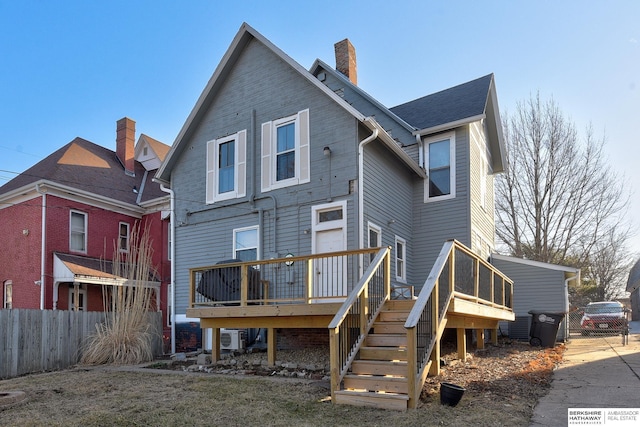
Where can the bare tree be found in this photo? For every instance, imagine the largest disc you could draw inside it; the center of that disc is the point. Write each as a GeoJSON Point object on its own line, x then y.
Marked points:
{"type": "Point", "coordinates": [558, 201]}
{"type": "Point", "coordinates": [607, 268]}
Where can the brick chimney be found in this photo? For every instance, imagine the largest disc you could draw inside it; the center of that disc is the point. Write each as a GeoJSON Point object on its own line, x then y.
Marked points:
{"type": "Point", "coordinates": [346, 60]}
{"type": "Point", "coordinates": [125, 141]}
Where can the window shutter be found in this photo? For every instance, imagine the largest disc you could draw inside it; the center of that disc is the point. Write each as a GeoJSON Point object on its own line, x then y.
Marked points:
{"type": "Point", "coordinates": [266, 156]}
{"type": "Point", "coordinates": [211, 171]}
{"type": "Point", "coordinates": [303, 120]}
{"type": "Point", "coordinates": [241, 170]}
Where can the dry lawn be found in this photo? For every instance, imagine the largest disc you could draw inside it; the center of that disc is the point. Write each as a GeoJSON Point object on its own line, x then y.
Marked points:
{"type": "Point", "coordinates": [503, 385]}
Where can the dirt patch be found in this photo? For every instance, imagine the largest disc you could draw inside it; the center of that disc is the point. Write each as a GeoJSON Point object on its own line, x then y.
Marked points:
{"type": "Point", "coordinates": [10, 398]}
{"type": "Point", "coordinates": [503, 385]}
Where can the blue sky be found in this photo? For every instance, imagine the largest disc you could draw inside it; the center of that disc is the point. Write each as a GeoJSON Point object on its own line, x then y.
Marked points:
{"type": "Point", "coordinates": [72, 68]}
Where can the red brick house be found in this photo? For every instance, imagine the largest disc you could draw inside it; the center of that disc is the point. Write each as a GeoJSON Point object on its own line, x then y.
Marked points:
{"type": "Point", "coordinates": [62, 218]}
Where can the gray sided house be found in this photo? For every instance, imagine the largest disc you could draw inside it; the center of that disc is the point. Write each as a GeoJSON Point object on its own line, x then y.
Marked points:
{"type": "Point", "coordinates": [537, 286]}
{"type": "Point", "coordinates": [275, 159]}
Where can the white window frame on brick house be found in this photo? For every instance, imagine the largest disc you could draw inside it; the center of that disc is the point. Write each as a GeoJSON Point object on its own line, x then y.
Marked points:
{"type": "Point", "coordinates": [216, 156]}
{"type": "Point", "coordinates": [239, 246]}
{"type": "Point", "coordinates": [7, 294]}
{"type": "Point", "coordinates": [401, 259]}
{"type": "Point", "coordinates": [76, 231]}
{"type": "Point", "coordinates": [82, 294]}
{"type": "Point", "coordinates": [272, 153]}
{"type": "Point", "coordinates": [169, 241]}
{"type": "Point", "coordinates": [435, 165]}
{"type": "Point", "coordinates": [123, 237]}
{"type": "Point", "coordinates": [169, 304]}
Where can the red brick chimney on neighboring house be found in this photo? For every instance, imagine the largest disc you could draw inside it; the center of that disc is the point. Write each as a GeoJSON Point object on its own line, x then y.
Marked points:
{"type": "Point", "coordinates": [125, 141]}
{"type": "Point", "coordinates": [346, 60]}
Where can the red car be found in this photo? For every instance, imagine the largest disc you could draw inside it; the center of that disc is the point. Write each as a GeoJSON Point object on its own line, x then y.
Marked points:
{"type": "Point", "coordinates": [605, 316]}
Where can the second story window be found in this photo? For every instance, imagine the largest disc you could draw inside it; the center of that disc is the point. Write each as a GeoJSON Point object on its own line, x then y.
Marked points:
{"type": "Point", "coordinates": [123, 237]}
{"type": "Point", "coordinates": [78, 232]}
{"type": "Point", "coordinates": [285, 152]}
{"type": "Point", "coordinates": [226, 167]}
{"type": "Point", "coordinates": [440, 160]}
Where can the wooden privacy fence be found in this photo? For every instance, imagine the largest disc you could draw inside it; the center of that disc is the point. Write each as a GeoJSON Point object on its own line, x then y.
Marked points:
{"type": "Point", "coordinates": [47, 340]}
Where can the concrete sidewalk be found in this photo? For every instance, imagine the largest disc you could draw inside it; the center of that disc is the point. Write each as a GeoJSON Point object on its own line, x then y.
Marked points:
{"type": "Point", "coordinates": [596, 372]}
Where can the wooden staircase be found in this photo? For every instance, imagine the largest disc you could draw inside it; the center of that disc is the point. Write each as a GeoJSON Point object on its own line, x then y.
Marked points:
{"type": "Point", "coordinates": [378, 376]}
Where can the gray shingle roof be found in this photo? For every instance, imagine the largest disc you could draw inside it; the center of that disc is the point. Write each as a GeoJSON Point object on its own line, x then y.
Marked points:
{"type": "Point", "coordinates": [447, 106]}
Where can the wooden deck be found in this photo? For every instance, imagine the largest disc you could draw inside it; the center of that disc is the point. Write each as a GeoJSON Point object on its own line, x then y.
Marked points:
{"type": "Point", "coordinates": [300, 292]}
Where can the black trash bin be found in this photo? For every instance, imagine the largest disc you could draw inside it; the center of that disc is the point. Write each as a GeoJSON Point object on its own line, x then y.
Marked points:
{"type": "Point", "coordinates": [544, 328]}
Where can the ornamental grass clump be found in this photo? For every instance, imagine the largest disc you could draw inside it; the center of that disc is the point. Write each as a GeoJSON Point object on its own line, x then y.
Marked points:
{"type": "Point", "coordinates": [126, 336]}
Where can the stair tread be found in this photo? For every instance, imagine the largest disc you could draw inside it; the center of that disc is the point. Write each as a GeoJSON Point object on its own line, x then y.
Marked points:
{"type": "Point", "coordinates": [376, 347]}
{"type": "Point", "coordinates": [376, 377]}
{"type": "Point", "coordinates": [381, 362]}
{"type": "Point", "coordinates": [388, 395]}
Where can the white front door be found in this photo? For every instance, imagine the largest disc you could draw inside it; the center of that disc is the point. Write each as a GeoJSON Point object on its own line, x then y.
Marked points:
{"type": "Point", "coordinates": [330, 235]}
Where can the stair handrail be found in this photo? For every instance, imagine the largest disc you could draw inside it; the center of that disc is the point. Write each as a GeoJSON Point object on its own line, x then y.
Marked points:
{"type": "Point", "coordinates": [427, 305]}
{"type": "Point", "coordinates": [430, 309]}
{"type": "Point", "coordinates": [370, 305]}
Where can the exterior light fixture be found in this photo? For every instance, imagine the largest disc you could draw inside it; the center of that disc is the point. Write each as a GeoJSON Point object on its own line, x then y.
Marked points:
{"type": "Point", "coordinates": [326, 151]}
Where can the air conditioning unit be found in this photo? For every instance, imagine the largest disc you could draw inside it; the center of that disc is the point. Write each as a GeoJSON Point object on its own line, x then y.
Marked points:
{"type": "Point", "coordinates": [231, 339]}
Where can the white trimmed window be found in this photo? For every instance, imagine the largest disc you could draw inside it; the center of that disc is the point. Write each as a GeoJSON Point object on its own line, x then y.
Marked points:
{"type": "Point", "coordinates": [226, 167]}
{"type": "Point", "coordinates": [169, 304]}
{"type": "Point", "coordinates": [123, 237]}
{"type": "Point", "coordinates": [245, 243]}
{"type": "Point", "coordinates": [81, 295]}
{"type": "Point", "coordinates": [375, 237]}
{"type": "Point", "coordinates": [169, 241]}
{"type": "Point", "coordinates": [285, 152]}
{"type": "Point", "coordinates": [440, 161]}
{"type": "Point", "coordinates": [401, 260]}
{"type": "Point", "coordinates": [78, 231]}
{"type": "Point", "coordinates": [7, 299]}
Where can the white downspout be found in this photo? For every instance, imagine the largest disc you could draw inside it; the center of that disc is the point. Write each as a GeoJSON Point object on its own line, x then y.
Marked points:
{"type": "Point", "coordinates": [43, 246]}
{"type": "Point", "coordinates": [172, 251]}
{"type": "Point", "coordinates": [361, 145]}
{"type": "Point", "coordinates": [566, 299]}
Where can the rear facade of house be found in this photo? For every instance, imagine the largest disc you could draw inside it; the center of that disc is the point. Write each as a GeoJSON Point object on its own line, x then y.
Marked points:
{"type": "Point", "coordinates": [277, 160]}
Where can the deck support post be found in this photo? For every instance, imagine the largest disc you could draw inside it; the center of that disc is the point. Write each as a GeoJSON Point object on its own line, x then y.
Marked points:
{"type": "Point", "coordinates": [215, 344]}
{"type": "Point", "coordinates": [434, 368]}
{"type": "Point", "coordinates": [412, 362]}
{"type": "Point", "coordinates": [271, 346]}
{"type": "Point", "coordinates": [494, 336]}
{"type": "Point", "coordinates": [480, 339]}
{"type": "Point", "coordinates": [462, 344]}
{"type": "Point", "coordinates": [334, 357]}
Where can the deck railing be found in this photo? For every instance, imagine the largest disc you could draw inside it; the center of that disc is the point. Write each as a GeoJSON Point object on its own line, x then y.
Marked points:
{"type": "Point", "coordinates": [351, 323]}
{"type": "Point", "coordinates": [327, 277]}
{"type": "Point", "coordinates": [457, 272]}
